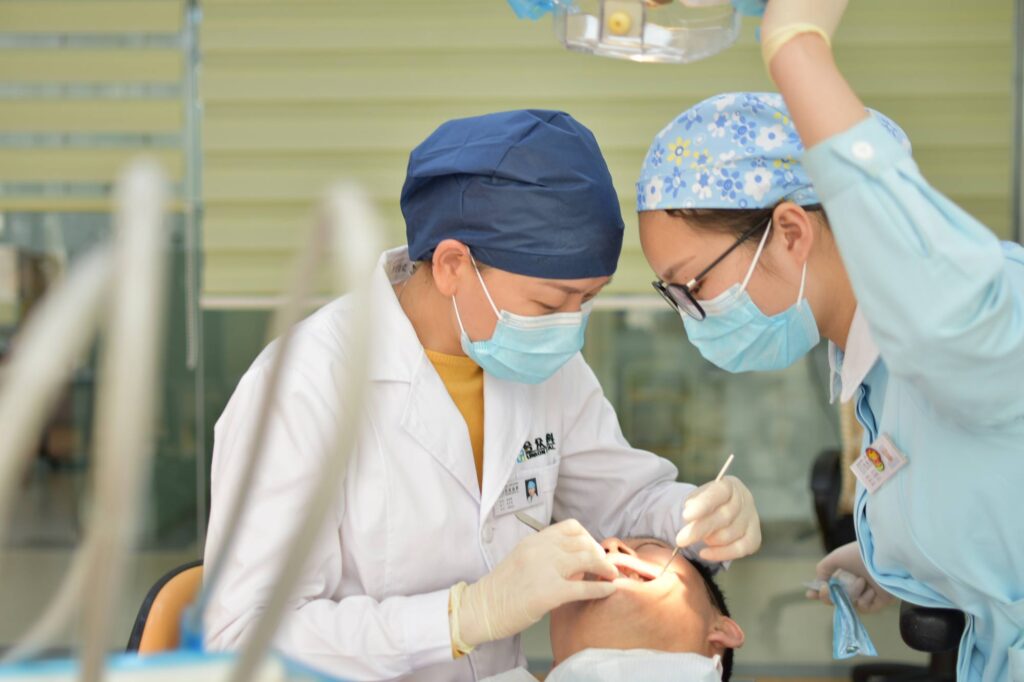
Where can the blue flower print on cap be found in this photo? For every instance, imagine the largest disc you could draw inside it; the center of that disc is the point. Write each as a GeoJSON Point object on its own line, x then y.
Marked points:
{"type": "Point", "coordinates": [736, 150]}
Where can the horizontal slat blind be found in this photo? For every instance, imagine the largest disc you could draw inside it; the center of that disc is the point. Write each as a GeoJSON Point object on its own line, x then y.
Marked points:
{"type": "Point", "coordinates": [300, 93]}
{"type": "Point", "coordinates": [91, 16]}
{"type": "Point", "coordinates": [85, 86]}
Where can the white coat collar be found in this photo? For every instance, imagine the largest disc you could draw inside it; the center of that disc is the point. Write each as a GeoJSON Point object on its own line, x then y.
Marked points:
{"type": "Point", "coordinates": [397, 352]}
{"type": "Point", "coordinates": [850, 368]}
{"type": "Point", "coordinates": [398, 355]}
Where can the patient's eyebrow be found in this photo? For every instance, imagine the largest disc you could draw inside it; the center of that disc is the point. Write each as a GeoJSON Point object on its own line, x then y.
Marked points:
{"type": "Point", "coordinates": [642, 542]}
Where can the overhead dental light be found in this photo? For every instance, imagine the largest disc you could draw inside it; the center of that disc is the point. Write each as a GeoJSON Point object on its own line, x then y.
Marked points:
{"type": "Point", "coordinates": [661, 31]}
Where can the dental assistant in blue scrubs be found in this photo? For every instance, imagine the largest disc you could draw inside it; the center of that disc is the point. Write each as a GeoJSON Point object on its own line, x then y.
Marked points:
{"type": "Point", "coordinates": [773, 220]}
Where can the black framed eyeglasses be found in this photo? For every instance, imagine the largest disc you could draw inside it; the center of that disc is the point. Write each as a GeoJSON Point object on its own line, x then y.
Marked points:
{"type": "Point", "coordinates": [680, 296]}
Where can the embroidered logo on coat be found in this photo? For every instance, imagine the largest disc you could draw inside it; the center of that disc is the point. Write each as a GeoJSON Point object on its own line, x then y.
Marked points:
{"type": "Point", "coordinates": [536, 448]}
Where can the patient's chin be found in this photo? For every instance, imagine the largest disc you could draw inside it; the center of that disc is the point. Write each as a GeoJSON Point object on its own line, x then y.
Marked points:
{"type": "Point", "coordinates": [644, 615]}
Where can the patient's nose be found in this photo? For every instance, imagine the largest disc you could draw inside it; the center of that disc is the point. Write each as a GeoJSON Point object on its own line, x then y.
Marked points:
{"type": "Point", "coordinates": [614, 545]}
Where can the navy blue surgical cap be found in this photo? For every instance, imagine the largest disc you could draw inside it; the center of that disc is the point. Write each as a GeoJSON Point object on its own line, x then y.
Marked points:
{"type": "Point", "coordinates": [526, 191]}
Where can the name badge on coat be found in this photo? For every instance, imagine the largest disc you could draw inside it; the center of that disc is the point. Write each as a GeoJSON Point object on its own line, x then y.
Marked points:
{"type": "Point", "coordinates": [521, 492]}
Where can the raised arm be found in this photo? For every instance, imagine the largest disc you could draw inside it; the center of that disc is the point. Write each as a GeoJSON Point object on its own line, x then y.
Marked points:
{"type": "Point", "coordinates": [943, 298]}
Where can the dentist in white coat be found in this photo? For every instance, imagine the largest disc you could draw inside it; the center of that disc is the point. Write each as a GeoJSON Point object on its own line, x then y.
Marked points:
{"type": "Point", "coordinates": [478, 394]}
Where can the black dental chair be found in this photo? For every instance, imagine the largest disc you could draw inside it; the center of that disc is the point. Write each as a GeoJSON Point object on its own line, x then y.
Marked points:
{"type": "Point", "coordinates": [934, 631]}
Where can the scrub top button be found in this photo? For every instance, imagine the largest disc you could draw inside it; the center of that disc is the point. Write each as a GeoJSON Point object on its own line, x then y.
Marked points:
{"type": "Point", "coordinates": [488, 534]}
{"type": "Point", "coordinates": [863, 150]}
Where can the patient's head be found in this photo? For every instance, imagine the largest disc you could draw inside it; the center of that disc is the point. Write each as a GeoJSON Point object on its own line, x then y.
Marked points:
{"type": "Point", "coordinates": [681, 611]}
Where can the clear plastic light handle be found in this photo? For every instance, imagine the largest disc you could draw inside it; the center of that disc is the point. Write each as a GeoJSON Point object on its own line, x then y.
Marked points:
{"type": "Point", "coordinates": [661, 31]}
{"type": "Point", "coordinates": [535, 9]}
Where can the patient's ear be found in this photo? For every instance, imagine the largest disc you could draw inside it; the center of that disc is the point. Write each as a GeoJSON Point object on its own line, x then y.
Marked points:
{"type": "Point", "coordinates": [726, 633]}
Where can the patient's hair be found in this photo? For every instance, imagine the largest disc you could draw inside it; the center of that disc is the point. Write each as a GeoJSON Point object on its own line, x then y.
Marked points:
{"type": "Point", "coordinates": [718, 600]}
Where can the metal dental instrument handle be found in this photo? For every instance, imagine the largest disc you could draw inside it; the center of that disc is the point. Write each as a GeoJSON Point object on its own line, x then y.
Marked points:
{"type": "Point", "coordinates": [57, 333]}
{"type": "Point", "coordinates": [675, 552]}
{"type": "Point", "coordinates": [290, 311]}
{"type": "Point", "coordinates": [126, 404]}
{"type": "Point", "coordinates": [351, 223]}
{"type": "Point", "coordinates": [119, 289]}
{"type": "Point", "coordinates": [530, 521]}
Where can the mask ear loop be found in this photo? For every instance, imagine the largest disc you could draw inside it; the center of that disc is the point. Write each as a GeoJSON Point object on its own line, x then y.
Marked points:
{"type": "Point", "coordinates": [490, 300]}
{"type": "Point", "coordinates": [803, 280]}
{"type": "Point", "coordinates": [458, 318]}
{"type": "Point", "coordinates": [757, 257]}
{"type": "Point", "coordinates": [455, 305]}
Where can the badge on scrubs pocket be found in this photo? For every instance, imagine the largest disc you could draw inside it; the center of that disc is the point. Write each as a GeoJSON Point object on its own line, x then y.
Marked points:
{"type": "Point", "coordinates": [878, 463]}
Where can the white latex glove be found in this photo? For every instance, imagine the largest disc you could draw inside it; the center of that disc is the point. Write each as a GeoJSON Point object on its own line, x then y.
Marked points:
{"type": "Point", "coordinates": [723, 515]}
{"type": "Point", "coordinates": [543, 572]}
{"type": "Point", "coordinates": [846, 565]}
{"type": "Point", "coordinates": [786, 19]}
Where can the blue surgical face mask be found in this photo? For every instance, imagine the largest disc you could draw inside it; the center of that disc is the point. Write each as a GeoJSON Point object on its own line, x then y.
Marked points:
{"type": "Point", "coordinates": [527, 349]}
{"type": "Point", "coordinates": [738, 337]}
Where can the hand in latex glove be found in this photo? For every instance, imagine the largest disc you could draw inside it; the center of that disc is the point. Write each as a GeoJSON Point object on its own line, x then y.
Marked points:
{"type": "Point", "coordinates": [543, 572]}
{"type": "Point", "coordinates": [786, 19]}
{"type": "Point", "coordinates": [723, 515]}
{"type": "Point", "coordinates": [846, 565]}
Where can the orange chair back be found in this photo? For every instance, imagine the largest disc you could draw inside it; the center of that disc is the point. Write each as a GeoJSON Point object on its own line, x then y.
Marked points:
{"type": "Point", "coordinates": [158, 626]}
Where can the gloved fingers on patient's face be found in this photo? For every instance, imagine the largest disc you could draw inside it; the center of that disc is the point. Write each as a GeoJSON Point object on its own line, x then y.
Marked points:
{"type": "Point", "coordinates": [586, 561]}
{"type": "Point", "coordinates": [706, 498]}
{"type": "Point", "coordinates": [572, 536]}
{"type": "Point", "coordinates": [598, 564]}
{"type": "Point", "coordinates": [577, 543]}
{"type": "Point", "coordinates": [579, 590]}
{"type": "Point", "coordinates": [568, 527]}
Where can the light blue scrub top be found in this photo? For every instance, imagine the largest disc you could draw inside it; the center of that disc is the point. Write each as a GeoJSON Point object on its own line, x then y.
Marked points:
{"type": "Point", "coordinates": [944, 300]}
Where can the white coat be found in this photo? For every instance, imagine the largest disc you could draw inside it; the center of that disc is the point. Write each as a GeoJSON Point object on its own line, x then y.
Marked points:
{"type": "Point", "coordinates": [410, 520]}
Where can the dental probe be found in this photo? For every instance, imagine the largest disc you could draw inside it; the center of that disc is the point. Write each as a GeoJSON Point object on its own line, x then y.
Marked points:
{"type": "Point", "coordinates": [675, 552]}
{"type": "Point", "coordinates": [530, 521]}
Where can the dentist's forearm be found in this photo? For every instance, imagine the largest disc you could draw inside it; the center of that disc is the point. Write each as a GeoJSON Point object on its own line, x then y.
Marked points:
{"type": "Point", "coordinates": [819, 99]}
